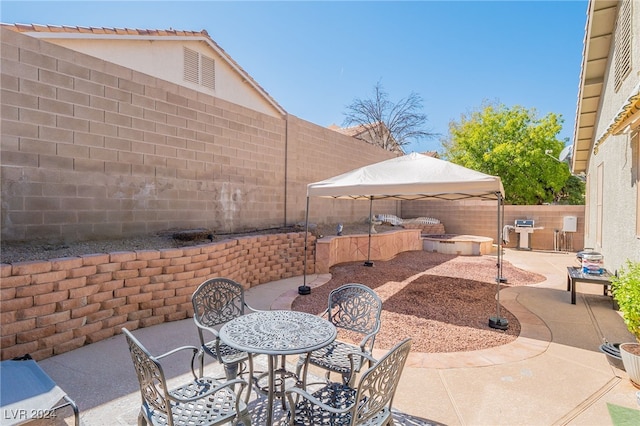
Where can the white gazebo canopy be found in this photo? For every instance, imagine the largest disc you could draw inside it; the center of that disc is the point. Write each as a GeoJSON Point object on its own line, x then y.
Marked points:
{"type": "Point", "coordinates": [410, 177]}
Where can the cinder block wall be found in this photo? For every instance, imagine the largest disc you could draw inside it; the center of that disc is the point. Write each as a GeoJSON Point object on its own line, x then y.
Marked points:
{"type": "Point", "coordinates": [92, 150]}
{"type": "Point", "coordinates": [480, 218]}
{"type": "Point", "coordinates": [316, 153]}
{"type": "Point", "coordinates": [51, 307]}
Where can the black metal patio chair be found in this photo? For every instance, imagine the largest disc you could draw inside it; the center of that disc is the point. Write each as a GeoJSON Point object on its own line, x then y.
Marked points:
{"type": "Point", "coordinates": [369, 403]}
{"type": "Point", "coordinates": [215, 302]}
{"type": "Point", "coordinates": [354, 308]}
{"type": "Point", "coordinates": [199, 401]}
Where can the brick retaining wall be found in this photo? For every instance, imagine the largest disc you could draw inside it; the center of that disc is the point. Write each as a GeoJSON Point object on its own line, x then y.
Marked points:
{"type": "Point", "coordinates": [54, 306]}
{"type": "Point", "coordinates": [353, 248]}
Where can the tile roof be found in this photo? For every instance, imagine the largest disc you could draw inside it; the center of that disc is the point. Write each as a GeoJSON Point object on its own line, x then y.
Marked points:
{"type": "Point", "coordinates": [629, 115]}
{"type": "Point", "coordinates": [101, 30]}
{"type": "Point", "coordinates": [349, 131]}
{"type": "Point", "coordinates": [360, 130]}
{"type": "Point", "coordinates": [433, 154]}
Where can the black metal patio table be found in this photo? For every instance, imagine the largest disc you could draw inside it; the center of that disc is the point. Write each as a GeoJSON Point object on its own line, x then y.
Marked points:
{"type": "Point", "coordinates": [277, 334]}
{"type": "Point", "coordinates": [575, 274]}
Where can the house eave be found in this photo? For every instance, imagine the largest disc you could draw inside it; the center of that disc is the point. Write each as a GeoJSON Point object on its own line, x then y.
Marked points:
{"type": "Point", "coordinates": [601, 17]}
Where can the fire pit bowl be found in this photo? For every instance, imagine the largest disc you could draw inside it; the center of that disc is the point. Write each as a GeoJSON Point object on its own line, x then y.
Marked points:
{"type": "Point", "coordinates": [461, 245]}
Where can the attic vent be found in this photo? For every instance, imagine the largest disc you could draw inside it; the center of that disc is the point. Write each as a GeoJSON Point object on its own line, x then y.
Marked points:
{"type": "Point", "coordinates": [208, 72]}
{"type": "Point", "coordinates": [622, 41]}
{"type": "Point", "coordinates": [199, 69]}
{"type": "Point", "coordinates": [191, 66]}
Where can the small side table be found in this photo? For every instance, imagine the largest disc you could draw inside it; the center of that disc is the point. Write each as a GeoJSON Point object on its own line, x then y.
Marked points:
{"type": "Point", "coordinates": [575, 274]}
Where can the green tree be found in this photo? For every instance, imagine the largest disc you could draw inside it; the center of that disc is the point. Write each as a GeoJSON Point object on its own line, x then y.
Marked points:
{"type": "Point", "coordinates": [516, 145]}
{"type": "Point", "coordinates": [572, 192]}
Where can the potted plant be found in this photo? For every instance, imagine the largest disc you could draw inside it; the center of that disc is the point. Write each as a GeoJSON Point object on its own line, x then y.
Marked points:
{"type": "Point", "coordinates": [626, 292]}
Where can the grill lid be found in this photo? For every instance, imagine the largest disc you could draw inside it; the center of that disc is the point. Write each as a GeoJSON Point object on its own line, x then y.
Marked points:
{"type": "Point", "coordinates": [524, 223]}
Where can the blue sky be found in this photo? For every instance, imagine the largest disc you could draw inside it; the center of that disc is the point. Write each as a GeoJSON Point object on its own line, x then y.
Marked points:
{"type": "Point", "coordinates": [315, 58]}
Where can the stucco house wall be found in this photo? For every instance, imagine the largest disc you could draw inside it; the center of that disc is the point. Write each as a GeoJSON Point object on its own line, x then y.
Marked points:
{"type": "Point", "coordinates": [161, 54]}
{"type": "Point", "coordinates": [619, 200]}
{"type": "Point", "coordinates": [612, 168]}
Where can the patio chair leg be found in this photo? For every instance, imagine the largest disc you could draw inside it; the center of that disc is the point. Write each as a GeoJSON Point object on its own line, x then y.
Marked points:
{"type": "Point", "coordinates": [250, 380]}
{"type": "Point", "coordinates": [243, 419]}
{"type": "Point", "coordinates": [231, 371]}
{"type": "Point", "coordinates": [305, 370]}
{"type": "Point", "coordinates": [299, 366]}
{"type": "Point", "coordinates": [346, 379]}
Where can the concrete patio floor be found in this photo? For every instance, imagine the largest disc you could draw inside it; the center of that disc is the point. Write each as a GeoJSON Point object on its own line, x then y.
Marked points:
{"type": "Point", "coordinates": [553, 374]}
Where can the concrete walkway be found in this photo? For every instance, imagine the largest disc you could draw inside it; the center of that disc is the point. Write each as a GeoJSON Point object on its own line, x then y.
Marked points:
{"type": "Point", "coordinates": [553, 374]}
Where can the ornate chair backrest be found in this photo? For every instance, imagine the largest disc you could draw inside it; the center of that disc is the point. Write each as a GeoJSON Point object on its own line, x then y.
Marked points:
{"type": "Point", "coordinates": [355, 307]}
{"type": "Point", "coordinates": [378, 384]}
{"type": "Point", "coordinates": [217, 301]}
{"type": "Point", "coordinates": [153, 386]}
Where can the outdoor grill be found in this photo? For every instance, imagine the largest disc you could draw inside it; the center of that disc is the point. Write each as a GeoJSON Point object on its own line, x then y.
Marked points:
{"type": "Point", "coordinates": [524, 223]}
{"type": "Point", "coordinates": [523, 228]}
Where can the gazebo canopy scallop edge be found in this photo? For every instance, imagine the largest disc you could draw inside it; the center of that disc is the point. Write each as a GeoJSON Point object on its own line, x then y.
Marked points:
{"type": "Point", "coordinates": [409, 177]}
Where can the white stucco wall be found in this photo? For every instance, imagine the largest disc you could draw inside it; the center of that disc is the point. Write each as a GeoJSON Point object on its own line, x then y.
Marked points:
{"type": "Point", "coordinates": [619, 240]}
{"type": "Point", "coordinates": [164, 60]}
{"type": "Point", "coordinates": [620, 178]}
